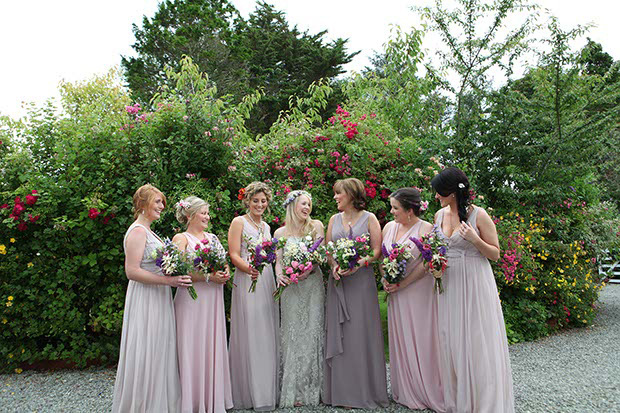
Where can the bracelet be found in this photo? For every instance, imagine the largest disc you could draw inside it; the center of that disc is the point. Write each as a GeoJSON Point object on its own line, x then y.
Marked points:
{"type": "Point", "coordinates": [207, 277]}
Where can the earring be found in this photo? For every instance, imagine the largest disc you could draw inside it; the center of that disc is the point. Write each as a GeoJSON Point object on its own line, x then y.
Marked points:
{"type": "Point", "coordinates": [408, 218]}
{"type": "Point", "coordinates": [142, 212]}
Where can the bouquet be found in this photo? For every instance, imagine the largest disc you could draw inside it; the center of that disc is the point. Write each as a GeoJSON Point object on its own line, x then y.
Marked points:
{"type": "Point", "coordinates": [262, 252]}
{"type": "Point", "coordinates": [210, 257]}
{"type": "Point", "coordinates": [395, 262]}
{"type": "Point", "coordinates": [299, 257]}
{"type": "Point", "coordinates": [173, 262]}
{"type": "Point", "coordinates": [433, 250]}
{"type": "Point", "coordinates": [349, 250]}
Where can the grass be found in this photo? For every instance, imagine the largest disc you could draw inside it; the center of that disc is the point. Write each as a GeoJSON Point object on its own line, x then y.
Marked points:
{"type": "Point", "coordinates": [383, 305]}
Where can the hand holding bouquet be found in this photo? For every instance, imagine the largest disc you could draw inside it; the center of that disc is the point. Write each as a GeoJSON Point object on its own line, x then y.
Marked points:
{"type": "Point", "coordinates": [173, 262]}
{"type": "Point", "coordinates": [210, 257]}
{"type": "Point", "coordinates": [433, 250]}
{"type": "Point", "coordinates": [348, 251]}
{"type": "Point", "coordinates": [262, 252]}
{"type": "Point", "coordinates": [299, 259]}
{"type": "Point", "coordinates": [395, 262]}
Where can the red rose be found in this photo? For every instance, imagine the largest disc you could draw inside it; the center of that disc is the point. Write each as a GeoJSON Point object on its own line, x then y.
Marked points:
{"type": "Point", "coordinates": [93, 213]}
{"type": "Point", "coordinates": [107, 218]}
{"type": "Point", "coordinates": [31, 200]}
{"type": "Point", "coordinates": [18, 209]}
{"type": "Point", "coordinates": [33, 219]}
{"type": "Point", "coordinates": [22, 226]}
{"type": "Point", "coordinates": [4, 206]}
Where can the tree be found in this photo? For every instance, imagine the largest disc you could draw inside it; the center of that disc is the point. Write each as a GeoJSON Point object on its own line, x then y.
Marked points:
{"type": "Point", "coordinates": [201, 29]}
{"type": "Point", "coordinates": [477, 39]}
{"type": "Point", "coordinates": [239, 56]}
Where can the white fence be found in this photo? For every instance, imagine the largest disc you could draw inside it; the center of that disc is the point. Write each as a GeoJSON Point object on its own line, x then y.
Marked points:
{"type": "Point", "coordinates": [611, 267]}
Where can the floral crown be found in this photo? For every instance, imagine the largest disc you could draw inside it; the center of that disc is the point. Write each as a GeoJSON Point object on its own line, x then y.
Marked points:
{"type": "Point", "coordinates": [183, 204]}
{"type": "Point", "coordinates": [293, 195]}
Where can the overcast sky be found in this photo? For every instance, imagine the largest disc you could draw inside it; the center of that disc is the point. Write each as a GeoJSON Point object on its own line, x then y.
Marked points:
{"type": "Point", "coordinates": [45, 41]}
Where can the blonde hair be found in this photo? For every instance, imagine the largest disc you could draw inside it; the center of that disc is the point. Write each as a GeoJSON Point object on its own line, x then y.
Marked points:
{"type": "Point", "coordinates": [252, 190]}
{"type": "Point", "coordinates": [355, 189]}
{"type": "Point", "coordinates": [188, 207]}
{"type": "Point", "coordinates": [292, 220]}
{"type": "Point", "coordinates": [144, 196]}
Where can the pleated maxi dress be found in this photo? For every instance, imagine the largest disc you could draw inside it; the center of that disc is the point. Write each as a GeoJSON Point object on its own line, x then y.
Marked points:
{"type": "Point", "coordinates": [254, 336]}
{"type": "Point", "coordinates": [475, 362]}
{"type": "Point", "coordinates": [147, 378]}
{"type": "Point", "coordinates": [354, 370]}
{"type": "Point", "coordinates": [202, 344]}
{"type": "Point", "coordinates": [413, 334]}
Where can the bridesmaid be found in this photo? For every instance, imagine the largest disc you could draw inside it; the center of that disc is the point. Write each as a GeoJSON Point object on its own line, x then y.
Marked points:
{"type": "Point", "coordinates": [412, 313]}
{"type": "Point", "coordinates": [475, 363]}
{"type": "Point", "coordinates": [254, 319]}
{"type": "Point", "coordinates": [201, 323]}
{"type": "Point", "coordinates": [354, 368]}
{"type": "Point", "coordinates": [302, 307]}
{"type": "Point", "coordinates": [147, 379]}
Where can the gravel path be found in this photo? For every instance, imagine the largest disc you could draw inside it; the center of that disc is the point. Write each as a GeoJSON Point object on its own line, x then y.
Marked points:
{"type": "Point", "coordinates": [575, 371]}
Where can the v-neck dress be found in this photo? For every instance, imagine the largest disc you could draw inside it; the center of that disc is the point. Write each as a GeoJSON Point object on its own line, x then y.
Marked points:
{"type": "Point", "coordinates": [354, 369]}
{"type": "Point", "coordinates": [413, 333]}
{"type": "Point", "coordinates": [475, 363]}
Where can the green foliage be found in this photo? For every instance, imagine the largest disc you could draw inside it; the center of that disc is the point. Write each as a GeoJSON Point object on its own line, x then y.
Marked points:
{"type": "Point", "coordinates": [238, 55]}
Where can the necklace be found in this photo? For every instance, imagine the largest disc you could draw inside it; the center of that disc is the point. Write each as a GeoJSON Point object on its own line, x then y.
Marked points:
{"type": "Point", "coordinates": [258, 227]}
{"type": "Point", "coordinates": [344, 218]}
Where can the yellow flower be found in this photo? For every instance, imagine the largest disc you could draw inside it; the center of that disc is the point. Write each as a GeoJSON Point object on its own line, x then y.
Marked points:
{"type": "Point", "coordinates": [2, 249]}
{"type": "Point", "coordinates": [30, 265]}
{"type": "Point", "coordinates": [10, 298]}
{"type": "Point", "coordinates": [10, 356]}
{"type": "Point", "coordinates": [4, 321]}
{"type": "Point", "coordinates": [12, 240]}
{"type": "Point", "coordinates": [9, 303]}
{"type": "Point", "coordinates": [18, 370]}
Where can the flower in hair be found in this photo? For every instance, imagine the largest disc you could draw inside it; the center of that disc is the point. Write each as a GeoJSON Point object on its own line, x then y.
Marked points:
{"type": "Point", "coordinates": [423, 205]}
{"type": "Point", "coordinates": [461, 185]}
{"type": "Point", "coordinates": [241, 194]}
{"type": "Point", "coordinates": [183, 204]}
{"type": "Point", "coordinates": [293, 195]}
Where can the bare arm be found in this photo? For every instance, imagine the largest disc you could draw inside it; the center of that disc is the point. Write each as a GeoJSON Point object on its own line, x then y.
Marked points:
{"type": "Point", "coordinates": [417, 272]}
{"type": "Point", "coordinates": [376, 238]}
{"type": "Point", "coordinates": [281, 279]}
{"type": "Point", "coordinates": [330, 260]}
{"type": "Point", "coordinates": [135, 244]}
{"type": "Point", "coordinates": [234, 247]}
{"type": "Point", "coordinates": [487, 242]}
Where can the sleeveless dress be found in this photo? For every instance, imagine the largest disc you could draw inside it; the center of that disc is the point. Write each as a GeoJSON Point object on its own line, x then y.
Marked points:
{"type": "Point", "coordinates": [254, 335]}
{"type": "Point", "coordinates": [202, 345]}
{"type": "Point", "coordinates": [475, 362]}
{"type": "Point", "coordinates": [147, 379]}
{"type": "Point", "coordinates": [302, 307]}
{"type": "Point", "coordinates": [413, 334]}
{"type": "Point", "coordinates": [354, 368]}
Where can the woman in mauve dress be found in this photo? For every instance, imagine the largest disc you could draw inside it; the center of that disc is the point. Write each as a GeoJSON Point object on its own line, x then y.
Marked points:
{"type": "Point", "coordinates": [412, 312]}
{"type": "Point", "coordinates": [354, 370]}
{"type": "Point", "coordinates": [147, 378]}
{"type": "Point", "coordinates": [475, 363]}
{"type": "Point", "coordinates": [201, 323]}
{"type": "Point", "coordinates": [254, 319]}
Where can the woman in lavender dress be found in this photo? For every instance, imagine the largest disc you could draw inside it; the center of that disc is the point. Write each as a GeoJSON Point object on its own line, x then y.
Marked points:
{"type": "Point", "coordinates": [254, 319]}
{"type": "Point", "coordinates": [475, 363]}
{"type": "Point", "coordinates": [412, 312]}
{"type": "Point", "coordinates": [354, 368]}
{"type": "Point", "coordinates": [147, 378]}
{"type": "Point", "coordinates": [201, 323]}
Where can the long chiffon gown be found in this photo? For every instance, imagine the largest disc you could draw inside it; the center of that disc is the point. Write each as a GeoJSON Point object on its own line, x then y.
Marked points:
{"type": "Point", "coordinates": [147, 378]}
{"type": "Point", "coordinates": [475, 362]}
{"type": "Point", "coordinates": [202, 345]}
{"type": "Point", "coordinates": [354, 368]}
{"type": "Point", "coordinates": [302, 307]}
{"type": "Point", "coordinates": [413, 334]}
{"type": "Point", "coordinates": [254, 335]}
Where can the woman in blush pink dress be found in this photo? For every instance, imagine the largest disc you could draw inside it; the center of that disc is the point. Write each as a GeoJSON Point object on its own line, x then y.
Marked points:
{"type": "Point", "coordinates": [475, 363]}
{"type": "Point", "coordinates": [254, 317]}
{"type": "Point", "coordinates": [412, 313]}
{"type": "Point", "coordinates": [147, 378]}
{"type": "Point", "coordinates": [201, 323]}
